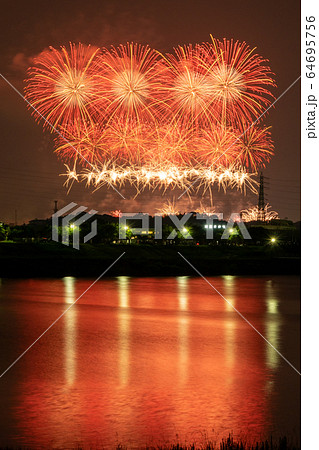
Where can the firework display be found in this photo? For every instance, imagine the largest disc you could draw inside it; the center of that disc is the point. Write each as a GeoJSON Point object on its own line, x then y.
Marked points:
{"type": "Point", "coordinates": [62, 88]}
{"type": "Point", "coordinates": [169, 208]}
{"type": "Point", "coordinates": [252, 214]}
{"type": "Point", "coordinates": [132, 114]}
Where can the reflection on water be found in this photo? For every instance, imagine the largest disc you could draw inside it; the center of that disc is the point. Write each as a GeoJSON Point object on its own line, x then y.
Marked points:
{"type": "Point", "coordinates": [70, 329]}
{"type": "Point", "coordinates": [183, 325]}
{"type": "Point", "coordinates": [228, 291]}
{"type": "Point", "coordinates": [230, 325]}
{"type": "Point", "coordinates": [124, 328]}
{"type": "Point", "coordinates": [138, 361]}
{"type": "Point", "coordinates": [182, 283]}
{"type": "Point", "coordinates": [273, 323]}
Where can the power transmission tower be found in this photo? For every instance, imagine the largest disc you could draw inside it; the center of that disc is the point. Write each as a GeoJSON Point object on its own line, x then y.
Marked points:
{"type": "Point", "coordinates": [261, 199]}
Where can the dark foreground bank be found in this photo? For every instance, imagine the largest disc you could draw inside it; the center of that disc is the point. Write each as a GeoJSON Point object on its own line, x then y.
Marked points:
{"type": "Point", "coordinates": [225, 444]}
{"type": "Point", "coordinates": [51, 259]}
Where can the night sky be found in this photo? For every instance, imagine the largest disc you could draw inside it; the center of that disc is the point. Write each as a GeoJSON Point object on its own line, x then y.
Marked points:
{"type": "Point", "coordinates": [30, 180]}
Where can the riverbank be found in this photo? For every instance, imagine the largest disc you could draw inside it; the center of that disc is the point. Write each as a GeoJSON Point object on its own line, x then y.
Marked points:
{"type": "Point", "coordinates": [227, 444]}
{"type": "Point", "coordinates": [50, 259]}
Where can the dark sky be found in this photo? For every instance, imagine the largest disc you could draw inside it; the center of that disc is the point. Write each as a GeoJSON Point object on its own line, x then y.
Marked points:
{"type": "Point", "coordinates": [30, 171]}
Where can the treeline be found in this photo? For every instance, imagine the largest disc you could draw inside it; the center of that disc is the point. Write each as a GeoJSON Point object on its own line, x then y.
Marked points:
{"type": "Point", "coordinates": [111, 231]}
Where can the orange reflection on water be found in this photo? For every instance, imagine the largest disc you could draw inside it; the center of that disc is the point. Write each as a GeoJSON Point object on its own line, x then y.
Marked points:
{"type": "Point", "coordinates": [124, 329]}
{"type": "Point", "coordinates": [273, 324]}
{"type": "Point", "coordinates": [117, 368]}
{"type": "Point", "coordinates": [183, 327]}
{"type": "Point", "coordinates": [70, 336]}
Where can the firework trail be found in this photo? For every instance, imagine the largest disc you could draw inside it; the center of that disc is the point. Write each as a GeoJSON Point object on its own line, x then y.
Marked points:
{"type": "Point", "coordinates": [169, 208]}
{"type": "Point", "coordinates": [206, 210]}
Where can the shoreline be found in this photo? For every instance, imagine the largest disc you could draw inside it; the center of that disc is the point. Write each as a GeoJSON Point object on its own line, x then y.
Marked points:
{"type": "Point", "coordinates": [36, 260]}
{"type": "Point", "coordinates": [229, 443]}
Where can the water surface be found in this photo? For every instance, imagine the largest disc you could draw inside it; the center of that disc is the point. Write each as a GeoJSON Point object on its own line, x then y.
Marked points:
{"type": "Point", "coordinates": [148, 360]}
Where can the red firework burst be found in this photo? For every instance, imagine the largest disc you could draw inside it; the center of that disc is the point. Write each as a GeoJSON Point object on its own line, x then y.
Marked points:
{"type": "Point", "coordinates": [129, 140]}
{"type": "Point", "coordinates": [61, 86]}
{"type": "Point", "coordinates": [169, 144]}
{"type": "Point", "coordinates": [130, 75]}
{"type": "Point", "coordinates": [186, 88]}
{"type": "Point", "coordinates": [255, 147]}
{"type": "Point", "coordinates": [176, 115]}
{"type": "Point", "coordinates": [239, 79]}
{"type": "Point", "coordinates": [87, 144]}
{"type": "Point", "coordinates": [216, 147]}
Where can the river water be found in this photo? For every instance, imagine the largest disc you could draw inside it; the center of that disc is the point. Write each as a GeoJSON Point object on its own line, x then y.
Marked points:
{"type": "Point", "coordinates": [144, 361]}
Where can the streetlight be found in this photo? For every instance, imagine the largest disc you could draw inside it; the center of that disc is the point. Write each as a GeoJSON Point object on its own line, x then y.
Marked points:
{"type": "Point", "coordinates": [273, 240]}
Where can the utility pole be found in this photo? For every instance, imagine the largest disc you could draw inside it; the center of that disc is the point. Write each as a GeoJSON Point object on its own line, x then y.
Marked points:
{"type": "Point", "coordinates": [261, 199]}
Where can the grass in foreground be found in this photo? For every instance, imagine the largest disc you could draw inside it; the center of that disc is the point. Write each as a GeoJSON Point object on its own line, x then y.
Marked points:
{"type": "Point", "coordinates": [226, 444]}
